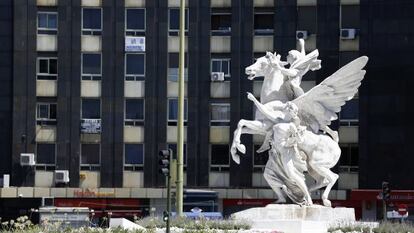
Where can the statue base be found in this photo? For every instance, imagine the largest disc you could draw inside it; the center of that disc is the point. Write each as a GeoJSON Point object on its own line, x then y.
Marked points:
{"type": "Point", "coordinates": [294, 218]}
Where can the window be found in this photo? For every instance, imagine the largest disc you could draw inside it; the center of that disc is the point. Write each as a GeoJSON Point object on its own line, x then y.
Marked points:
{"type": "Point", "coordinates": [134, 66]}
{"type": "Point", "coordinates": [263, 23]}
{"type": "Point", "coordinates": [46, 114]}
{"type": "Point", "coordinates": [47, 23]}
{"type": "Point", "coordinates": [349, 160]}
{"type": "Point", "coordinates": [173, 111]}
{"type": "Point", "coordinates": [45, 154]}
{"type": "Point", "coordinates": [220, 114]}
{"type": "Point", "coordinates": [134, 156]}
{"type": "Point", "coordinates": [91, 109]}
{"type": "Point", "coordinates": [350, 16]}
{"type": "Point", "coordinates": [91, 21]}
{"type": "Point", "coordinates": [47, 68]}
{"type": "Point", "coordinates": [259, 159]}
{"type": "Point", "coordinates": [174, 21]}
{"type": "Point", "coordinates": [307, 19]}
{"type": "Point", "coordinates": [134, 111]}
{"type": "Point", "coordinates": [221, 65]}
{"type": "Point", "coordinates": [173, 63]}
{"type": "Point", "coordinates": [91, 66]}
{"type": "Point", "coordinates": [221, 23]}
{"type": "Point", "coordinates": [173, 147]}
{"type": "Point", "coordinates": [135, 21]}
{"type": "Point", "coordinates": [220, 157]}
{"type": "Point", "coordinates": [349, 114]}
{"type": "Point", "coordinates": [90, 156]}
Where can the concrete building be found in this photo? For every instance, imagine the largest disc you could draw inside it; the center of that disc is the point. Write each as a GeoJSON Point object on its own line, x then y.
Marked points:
{"type": "Point", "coordinates": [90, 87]}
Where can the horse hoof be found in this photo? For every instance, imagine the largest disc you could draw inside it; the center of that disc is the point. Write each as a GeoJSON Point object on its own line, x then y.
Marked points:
{"type": "Point", "coordinates": [241, 148]}
{"type": "Point", "coordinates": [327, 203]}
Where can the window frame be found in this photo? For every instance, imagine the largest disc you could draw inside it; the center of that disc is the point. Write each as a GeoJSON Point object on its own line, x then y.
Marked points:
{"type": "Point", "coordinates": [91, 77]}
{"type": "Point", "coordinates": [185, 155]}
{"type": "Point", "coordinates": [45, 121]}
{"type": "Point", "coordinates": [221, 60]}
{"type": "Point", "coordinates": [218, 167]}
{"type": "Point", "coordinates": [134, 77]}
{"type": "Point", "coordinates": [48, 66]}
{"type": "Point", "coordinates": [88, 31]}
{"type": "Point", "coordinates": [134, 122]}
{"type": "Point", "coordinates": [258, 167]}
{"type": "Point", "coordinates": [135, 32]}
{"type": "Point", "coordinates": [134, 167]}
{"type": "Point", "coordinates": [348, 168]}
{"type": "Point", "coordinates": [92, 166]}
{"type": "Point", "coordinates": [263, 32]}
{"type": "Point", "coordinates": [349, 122]}
{"type": "Point", "coordinates": [219, 123]}
{"type": "Point", "coordinates": [172, 122]}
{"type": "Point", "coordinates": [171, 77]}
{"type": "Point", "coordinates": [100, 108]}
{"type": "Point", "coordinates": [45, 166]}
{"type": "Point", "coordinates": [220, 32]}
{"type": "Point", "coordinates": [47, 31]}
{"type": "Point", "coordinates": [175, 32]}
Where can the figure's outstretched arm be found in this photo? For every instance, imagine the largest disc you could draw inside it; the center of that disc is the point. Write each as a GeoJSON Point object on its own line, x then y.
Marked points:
{"type": "Point", "coordinates": [274, 116]}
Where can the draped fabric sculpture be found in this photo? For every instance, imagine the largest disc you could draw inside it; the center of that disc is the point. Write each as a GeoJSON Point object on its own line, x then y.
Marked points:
{"type": "Point", "coordinates": [295, 124]}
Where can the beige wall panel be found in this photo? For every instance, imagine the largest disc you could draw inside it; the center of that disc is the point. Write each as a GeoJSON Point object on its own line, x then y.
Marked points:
{"type": "Point", "coordinates": [176, 3]}
{"type": "Point", "coordinates": [172, 134]}
{"type": "Point", "coordinates": [258, 180]}
{"type": "Point", "coordinates": [172, 89]}
{"type": "Point", "coordinates": [220, 3]}
{"type": "Point", "coordinates": [134, 3]}
{"type": "Point", "coordinates": [306, 2]}
{"type": "Point", "coordinates": [46, 2]}
{"type": "Point", "coordinates": [41, 192]}
{"type": "Point", "coordinates": [257, 88]}
{"type": "Point", "coordinates": [8, 192]}
{"type": "Point", "coordinates": [44, 179]}
{"type": "Point", "coordinates": [90, 88]}
{"type": "Point", "coordinates": [47, 43]}
{"type": "Point", "coordinates": [58, 192]}
{"type": "Point", "coordinates": [220, 89]}
{"type": "Point", "coordinates": [219, 179]}
{"type": "Point", "coordinates": [90, 138]}
{"type": "Point", "coordinates": [46, 88]}
{"type": "Point", "coordinates": [45, 134]}
{"type": "Point", "coordinates": [348, 134]}
{"type": "Point", "coordinates": [25, 192]}
{"type": "Point", "coordinates": [134, 89]}
{"type": "Point", "coordinates": [220, 44]}
{"type": "Point", "coordinates": [91, 3]}
{"type": "Point", "coordinates": [258, 139]}
{"type": "Point", "coordinates": [174, 44]}
{"type": "Point", "coordinates": [348, 181]}
{"type": "Point", "coordinates": [91, 180]}
{"type": "Point", "coordinates": [133, 134]}
{"type": "Point", "coordinates": [263, 44]}
{"type": "Point", "coordinates": [310, 43]}
{"type": "Point", "coordinates": [219, 134]}
{"type": "Point", "coordinates": [263, 3]}
{"type": "Point", "coordinates": [349, 2]}
{"type": "Point", "coordinates": [349, 45]}
{"type": "Point", "coordinates": [91, 43]}
{"type": "Point", "coordinates": [133, 179]}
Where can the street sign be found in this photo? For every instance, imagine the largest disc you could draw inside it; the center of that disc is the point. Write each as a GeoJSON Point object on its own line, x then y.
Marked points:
{"type": "Point", "coordinates": [396, 214]}
{"type": "Point", "coordinates": [402, 209]}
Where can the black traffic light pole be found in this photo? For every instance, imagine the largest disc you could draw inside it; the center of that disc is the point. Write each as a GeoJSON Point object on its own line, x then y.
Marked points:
{"type": "Point", "coordinates": [165, 162]}
{"type": "Point", "coordinates": [386, 194]}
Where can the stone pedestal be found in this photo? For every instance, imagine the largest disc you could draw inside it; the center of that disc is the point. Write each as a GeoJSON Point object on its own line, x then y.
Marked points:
{"type": "Point", "coordinates": [295, 218]}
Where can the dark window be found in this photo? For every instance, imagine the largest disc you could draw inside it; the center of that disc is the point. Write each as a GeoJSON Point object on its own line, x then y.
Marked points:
{"type": "Point", "coordinates": [91, 21]}
{"type": "Point", "coordinates": [350, 112]}
{"type": "Point", "coordinates": [90, 154]}
{"type": "Point", "coordinates": [91, 66]}
{"type": "Point", "coordinates": [221, 24]}
{"type": "Point", "coordinates": [135, 19]}
{"type": "Point", "coordinates": [91, 109]}
{"type": "Point", "coordinates": [221, 65]}
{"type": "Point", "coordinates": [46, 22]}
{"type": "Point", "coordinates": [46, 114]}
{"type": "Point", "coordinates": [173, 147]}
{"type": "Point", "coordinates": [134, 111]}
{"type": "Point", "coordinates": [135, 66]}
{"type": "Point", "coordinates": [260, 159]}
{"type": "Point", "coordinates": [173, 63]}
{"type": "Point", "coordinates": [46, 68]}
{"type": "Point", "coordinates": [220, 114]}
{"type": "Point", "coordinates": [220, 155]}
{"type": "Point", "coordinates": [174, 21]}
{"type": "Point", "coordinates": [307, 20]}
{"type": "Point", "coordinates": [350, 16]}
{"type": "Point", "coordinates": [349, 160]}
{"type": "Point", "coordinates": [45, 154]}
{"type": "Point", "coordinates": [173, 111]}
{"type": "Point", "coordinates": [263, 23]}
{"type": "Point", "coordinates": [134, 154]}
{"type": "Point", "coordinates": [347, 56]}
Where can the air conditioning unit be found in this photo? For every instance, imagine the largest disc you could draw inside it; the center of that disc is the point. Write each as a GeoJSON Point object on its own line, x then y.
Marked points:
{"type": "Point", "coordinates": [217, 76]}
{"type": "Point", "coordinates": [27, 159]}
{"type": "Point", "coordinates": [348, 33]}
{"type": "Point", "coordinates": [61, 176]}
{"type": "Point", "coordinates": [301, 35]}
{"type": "Point", "coordinates": [48, 201]}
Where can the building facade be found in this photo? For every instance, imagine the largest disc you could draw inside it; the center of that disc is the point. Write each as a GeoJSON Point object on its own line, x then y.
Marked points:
{"type": "Point", "coordinates": [90, 87]}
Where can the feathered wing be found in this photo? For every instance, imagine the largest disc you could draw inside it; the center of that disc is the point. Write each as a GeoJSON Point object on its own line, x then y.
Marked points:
{"type": "Point", "coordinates": [318, 106]}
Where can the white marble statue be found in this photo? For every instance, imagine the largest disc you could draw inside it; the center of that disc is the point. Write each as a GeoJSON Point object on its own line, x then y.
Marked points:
{"type": "Point", "coordinates": [294, 123]}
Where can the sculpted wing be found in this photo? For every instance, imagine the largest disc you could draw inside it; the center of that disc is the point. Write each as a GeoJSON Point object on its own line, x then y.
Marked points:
{"type": "Point", "coordinates": [318, 106]}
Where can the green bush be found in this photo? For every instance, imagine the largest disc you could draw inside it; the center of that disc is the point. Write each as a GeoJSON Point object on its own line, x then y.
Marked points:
{"type": "Point", "coordinates": [389, 227]}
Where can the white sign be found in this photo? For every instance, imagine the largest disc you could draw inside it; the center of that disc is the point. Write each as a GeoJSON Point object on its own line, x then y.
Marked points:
{"type": "Point", "coordinates": [134, 44]}
{"type": "Point", "coordinates": [91, 126]}
{"type": "Point", "coordinates": [395, 214]}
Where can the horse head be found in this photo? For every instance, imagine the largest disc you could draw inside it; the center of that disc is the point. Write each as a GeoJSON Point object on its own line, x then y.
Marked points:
{"type": "Point", "coordinates": [264, 65]}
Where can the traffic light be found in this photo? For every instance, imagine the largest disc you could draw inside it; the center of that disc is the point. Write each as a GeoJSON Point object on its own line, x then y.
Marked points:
{"type": "Point", "coordinates": [386, 192]}
{"type": "Point", "coordinates": [164, 162]}
{"type": "Point", "coordinates": [165, 216]}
